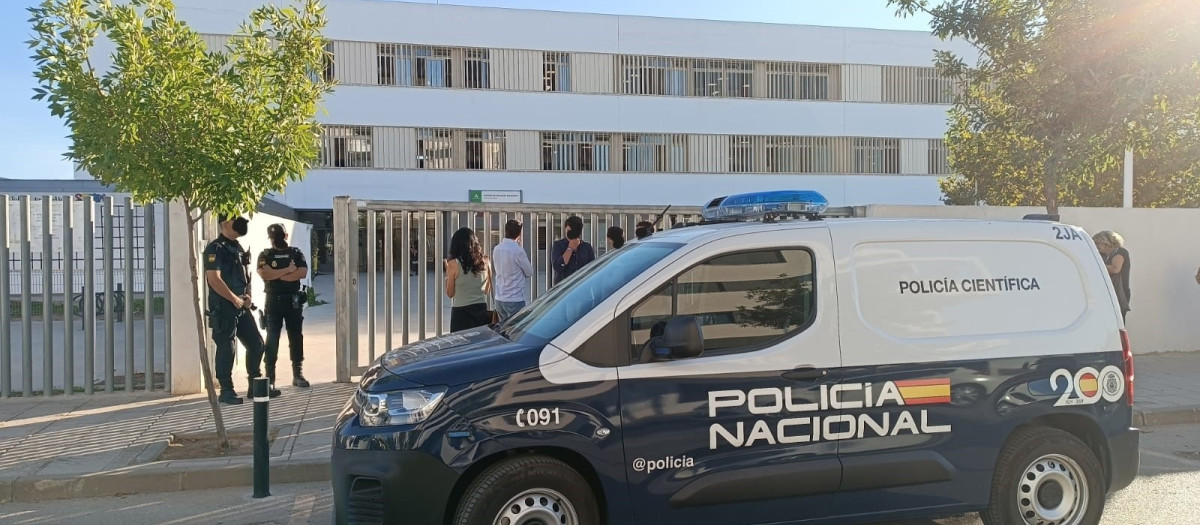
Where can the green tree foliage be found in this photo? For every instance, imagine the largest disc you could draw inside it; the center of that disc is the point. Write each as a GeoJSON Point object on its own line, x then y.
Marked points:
{"type": "Point", "coordinates": [1060, 89]}
{"type": "Point", "coordinates": [170, 119]}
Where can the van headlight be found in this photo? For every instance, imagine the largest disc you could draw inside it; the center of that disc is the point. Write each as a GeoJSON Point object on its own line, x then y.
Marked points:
{"type": "Point", "coordinates": [402, 407]}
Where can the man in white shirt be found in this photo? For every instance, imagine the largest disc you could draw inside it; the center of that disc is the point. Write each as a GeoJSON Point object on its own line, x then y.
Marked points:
{"type": "Point", "coordinates": [512, 271]}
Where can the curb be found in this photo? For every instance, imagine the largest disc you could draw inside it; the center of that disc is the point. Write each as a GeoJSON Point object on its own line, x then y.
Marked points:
{"type": "Point", "coordinates": [1185, 415]}
{"type": "Point", "coordinates": [175, 478]}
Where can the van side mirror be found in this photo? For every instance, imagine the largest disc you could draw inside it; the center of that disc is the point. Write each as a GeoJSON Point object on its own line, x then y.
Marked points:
{"type": "Point", "coordinates": [683, 337]}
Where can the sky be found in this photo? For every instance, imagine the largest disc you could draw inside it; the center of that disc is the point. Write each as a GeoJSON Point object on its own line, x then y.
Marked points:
{"type": "Point", "coordinates": [32, 142]}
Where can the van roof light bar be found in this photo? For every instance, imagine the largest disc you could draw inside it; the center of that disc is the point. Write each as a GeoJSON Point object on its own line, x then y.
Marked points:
{"type": "Point", "coordinates": [766, 206]}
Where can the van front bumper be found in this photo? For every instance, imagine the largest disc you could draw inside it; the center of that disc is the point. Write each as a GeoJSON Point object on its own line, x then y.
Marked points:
{"type": "Point", "coordinates": [390, 487]}
{"type": "Point", "coordinates": [1124, 459]}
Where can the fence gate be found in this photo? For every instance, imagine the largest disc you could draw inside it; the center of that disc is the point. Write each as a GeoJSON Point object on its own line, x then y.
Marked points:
{"type": "Point", "coordinates": [388, 273]}
{"type": "Point", "coordinates": [87, 272]}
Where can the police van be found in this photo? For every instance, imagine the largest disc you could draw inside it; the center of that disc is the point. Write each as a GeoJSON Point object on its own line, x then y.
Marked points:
{"type": "Point", "coordinates": [766, 367]}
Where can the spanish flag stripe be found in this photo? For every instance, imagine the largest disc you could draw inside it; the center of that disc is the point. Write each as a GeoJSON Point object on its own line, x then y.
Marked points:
{"type": "Point", "coordinates": [927, 400]}
{"type": "Point", "coordinates": [923, 382]}
{"type": "Point", "coordinates": [909, 392]}
{"type": "Point", "coordinates": [1089, 385]}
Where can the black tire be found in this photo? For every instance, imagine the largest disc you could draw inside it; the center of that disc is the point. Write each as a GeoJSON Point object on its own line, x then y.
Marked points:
{"type": "Point", "coordinates": [1018, 461]}
{"type": "Point", "coordinates": [77, 306]}
{"type": "Point", "coordinates": [491, 492]}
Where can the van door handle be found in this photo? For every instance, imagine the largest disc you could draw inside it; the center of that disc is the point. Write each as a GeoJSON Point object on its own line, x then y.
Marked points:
{"type": "Point", "coordinates": [805, 373]}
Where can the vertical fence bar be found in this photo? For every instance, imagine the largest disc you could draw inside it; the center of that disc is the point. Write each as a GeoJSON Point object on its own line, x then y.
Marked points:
{"type": "Point", "coordinates": [439, 257]}
{"type": "Point", "coordinates": [549, 250]}
{"type": "Point", "coordinates": [107, 305]}
{"type": "Point", "coordinates": [129, 293]}
{"type": "Point", "coordinates": [89, 296]}
{"type": "Point", "coordinates": [407, 256]}
{"type": "Point", "coordinates": [148, 291]}
{"type": "Point", "coordinates": [68, 287]}
{"type": "Point", "coordinates": [26, 301]}
{"type": "Point", "coordinates": [530, 225]}
{"type": "Point", "coordinates": [597, 235]}
{"type": "Point", "coordinates": [344, 224]}
{"type": "Point", "coordinates": [166, 296]}
{"type": "Point", "coordinates": [47, 296]}
{"type": "Point", "coordinates": [372, 281]}
{"type": "Point", "coordinates": [5, 305]}
{"type": "Point", "coordinates": [422, 284]}
{"type": "Point", "coordinates": [389, 278]}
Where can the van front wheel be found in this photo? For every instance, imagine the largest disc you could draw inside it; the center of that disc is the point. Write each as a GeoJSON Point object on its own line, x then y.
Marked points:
{"type": "Point", "coordinates": [530, 490]}
{"type": "Point", "coordinates": [1045, 476]}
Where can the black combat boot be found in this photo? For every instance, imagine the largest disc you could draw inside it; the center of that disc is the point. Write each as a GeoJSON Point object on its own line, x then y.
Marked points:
{"type": "Point", "coordinates": [272, 392]}
{"type": "Point", "coordinates": [298, 377]}
{"type": "Point", "coordinates": [229, 397]}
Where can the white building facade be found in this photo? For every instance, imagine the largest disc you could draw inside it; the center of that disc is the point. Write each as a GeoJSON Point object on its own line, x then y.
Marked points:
{"type": "Point", "coordinates": [434, 101]}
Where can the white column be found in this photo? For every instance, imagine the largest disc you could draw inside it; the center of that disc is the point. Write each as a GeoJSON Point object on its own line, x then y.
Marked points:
{"type": "Point", "coordinates": [185, 352]}
{"type": "Point", "coordinates": [1128, 202]}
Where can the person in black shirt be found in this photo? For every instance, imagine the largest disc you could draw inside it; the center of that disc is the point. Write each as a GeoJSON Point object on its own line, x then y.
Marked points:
{"type": "Point", "coordinates": [225, 271]}
{"type": "Point", "coordinates": [1116, 258]}
{"type": "Point", "coordinates": [572, 253]}
{"type": "Point", "coordinates": [281, 268]}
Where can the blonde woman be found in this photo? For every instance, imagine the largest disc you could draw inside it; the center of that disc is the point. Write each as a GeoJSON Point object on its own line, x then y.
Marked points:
{"type": "Point", "coordinates": [1116, 258]}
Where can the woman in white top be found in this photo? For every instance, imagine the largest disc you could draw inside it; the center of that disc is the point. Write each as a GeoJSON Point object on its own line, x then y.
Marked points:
{"type": "Point", "coordinates": [467, 281]}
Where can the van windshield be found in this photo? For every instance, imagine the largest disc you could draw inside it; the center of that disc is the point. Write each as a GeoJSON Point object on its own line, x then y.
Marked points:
{"type": "Point", "coordinates": [564, 304]}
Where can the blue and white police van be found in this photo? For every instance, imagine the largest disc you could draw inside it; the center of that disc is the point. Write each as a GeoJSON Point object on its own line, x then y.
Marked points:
{"type": "Point", "coordinates": [766, 372]}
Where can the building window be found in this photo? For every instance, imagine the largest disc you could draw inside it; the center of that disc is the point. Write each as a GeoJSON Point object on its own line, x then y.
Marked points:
{"type": "Point", "coordinates": [435, 148]}
{"type": "Point", "coordinates": [916, 85]}
{"type": "Point", "coordinates": [741, 154]}
{"type": "Point", "coordinates": [722, 78]}
{"type": "Point", "coordinates": [485, 150]}
{"type": "Point", "coordinates": [556, 71]}
{"type": "Point", "coordinates": [874, 155]}
{"type": "Point", "coordinates": [640, 75]}
{"type": "Point", "coordinates": [477, 69]}
{"type": "Point", "coordinates": [654, 153]}
{"type": "Point", "coordinates": [403, 65]}
{"type": "Point", "coordinates": [346, 147]}
{"type": "Point", "coordinates": [328, 71]}
{"type": "Point", "coordinates": [793, 81]}
{"type": "Point", "coordinates": [387, 64]}
{"type": "Point", "coordinates": [939, 158]}
{"type": "Point", "coordinates": [575, 151]}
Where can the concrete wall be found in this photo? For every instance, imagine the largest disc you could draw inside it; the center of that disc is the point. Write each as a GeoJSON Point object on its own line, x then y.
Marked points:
{"type": "Point", "coordinates": [1163, 255]}
{"type": "Point", "coordinates": [679, 189]}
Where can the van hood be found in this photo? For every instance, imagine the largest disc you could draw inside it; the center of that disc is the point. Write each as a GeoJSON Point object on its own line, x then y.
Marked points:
{"type": "Point", "coordinates": [460, 357]}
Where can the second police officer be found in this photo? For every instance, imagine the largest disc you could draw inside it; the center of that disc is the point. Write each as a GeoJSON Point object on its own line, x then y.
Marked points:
{"type": "Point", "coordinates": [227, 275]}
{"type": "Point", "coordinates": [282, 267]}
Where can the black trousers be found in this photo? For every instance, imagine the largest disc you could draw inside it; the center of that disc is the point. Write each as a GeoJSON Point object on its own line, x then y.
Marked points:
{"type": "Point", "coordinates": [469, 316]}
{"type": "Point", "coordinates": [227, 323]}
{"type": "Point", "coordinates": [281, 310]}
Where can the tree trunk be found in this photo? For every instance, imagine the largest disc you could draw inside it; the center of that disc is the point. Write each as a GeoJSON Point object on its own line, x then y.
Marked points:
{"type": "Point", "coordinates": [218, 419]}
{"type": "Point", "coordinates": [1050, 180]}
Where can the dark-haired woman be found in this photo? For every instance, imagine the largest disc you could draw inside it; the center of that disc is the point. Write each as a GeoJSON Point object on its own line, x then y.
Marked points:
{"type": "Point", "coordinates": [468, 281]}
{"type": "Point", "coordinates": [616, 238]}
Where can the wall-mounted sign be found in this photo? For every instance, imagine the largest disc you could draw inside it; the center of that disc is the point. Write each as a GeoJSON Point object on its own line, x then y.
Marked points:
{"type": "Point", "coordinates": [503, 196]}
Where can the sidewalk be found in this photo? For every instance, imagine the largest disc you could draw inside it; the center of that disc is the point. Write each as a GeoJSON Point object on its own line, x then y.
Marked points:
{"type": "Point", "coordinates": [105, 445]}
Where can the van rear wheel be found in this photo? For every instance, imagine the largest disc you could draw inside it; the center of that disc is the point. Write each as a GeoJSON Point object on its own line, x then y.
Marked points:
{"type": "Point", "coordinates": [530, 490]}
{"type": "Point", "coordinates": [1045, 476]}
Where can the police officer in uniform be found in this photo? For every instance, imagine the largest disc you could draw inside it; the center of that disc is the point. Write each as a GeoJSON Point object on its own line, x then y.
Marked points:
{"type": "Point", "coordinates": [227, 274]}
{"type": "Point", "coordinates": [281, 268]}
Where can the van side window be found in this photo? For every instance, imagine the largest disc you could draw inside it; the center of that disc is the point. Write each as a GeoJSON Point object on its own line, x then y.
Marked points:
{"type": "Point", "coordinates": [743, 300]}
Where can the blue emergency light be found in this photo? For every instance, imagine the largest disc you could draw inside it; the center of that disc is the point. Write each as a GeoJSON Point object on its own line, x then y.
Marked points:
{"type": "Point", "coordinates": [766, 205]}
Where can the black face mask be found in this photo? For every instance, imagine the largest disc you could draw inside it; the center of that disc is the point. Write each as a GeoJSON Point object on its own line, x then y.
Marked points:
{"type": "Point", "coordinates": [241, 226]}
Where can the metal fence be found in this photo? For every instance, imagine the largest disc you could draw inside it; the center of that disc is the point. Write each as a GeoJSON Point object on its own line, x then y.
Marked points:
{"type": "Point", "coordinates": [104, 337]}
{"type": "Point", "coordinates": [389, 242]}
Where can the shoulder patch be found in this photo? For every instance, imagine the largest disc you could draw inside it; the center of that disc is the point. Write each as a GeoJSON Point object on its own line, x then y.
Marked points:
{"type": "Point", "coordinates": [212, 257]}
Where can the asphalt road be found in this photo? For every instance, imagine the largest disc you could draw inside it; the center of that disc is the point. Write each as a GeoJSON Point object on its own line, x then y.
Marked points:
{"type": "Point", "coordinates": [1166, 493]}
